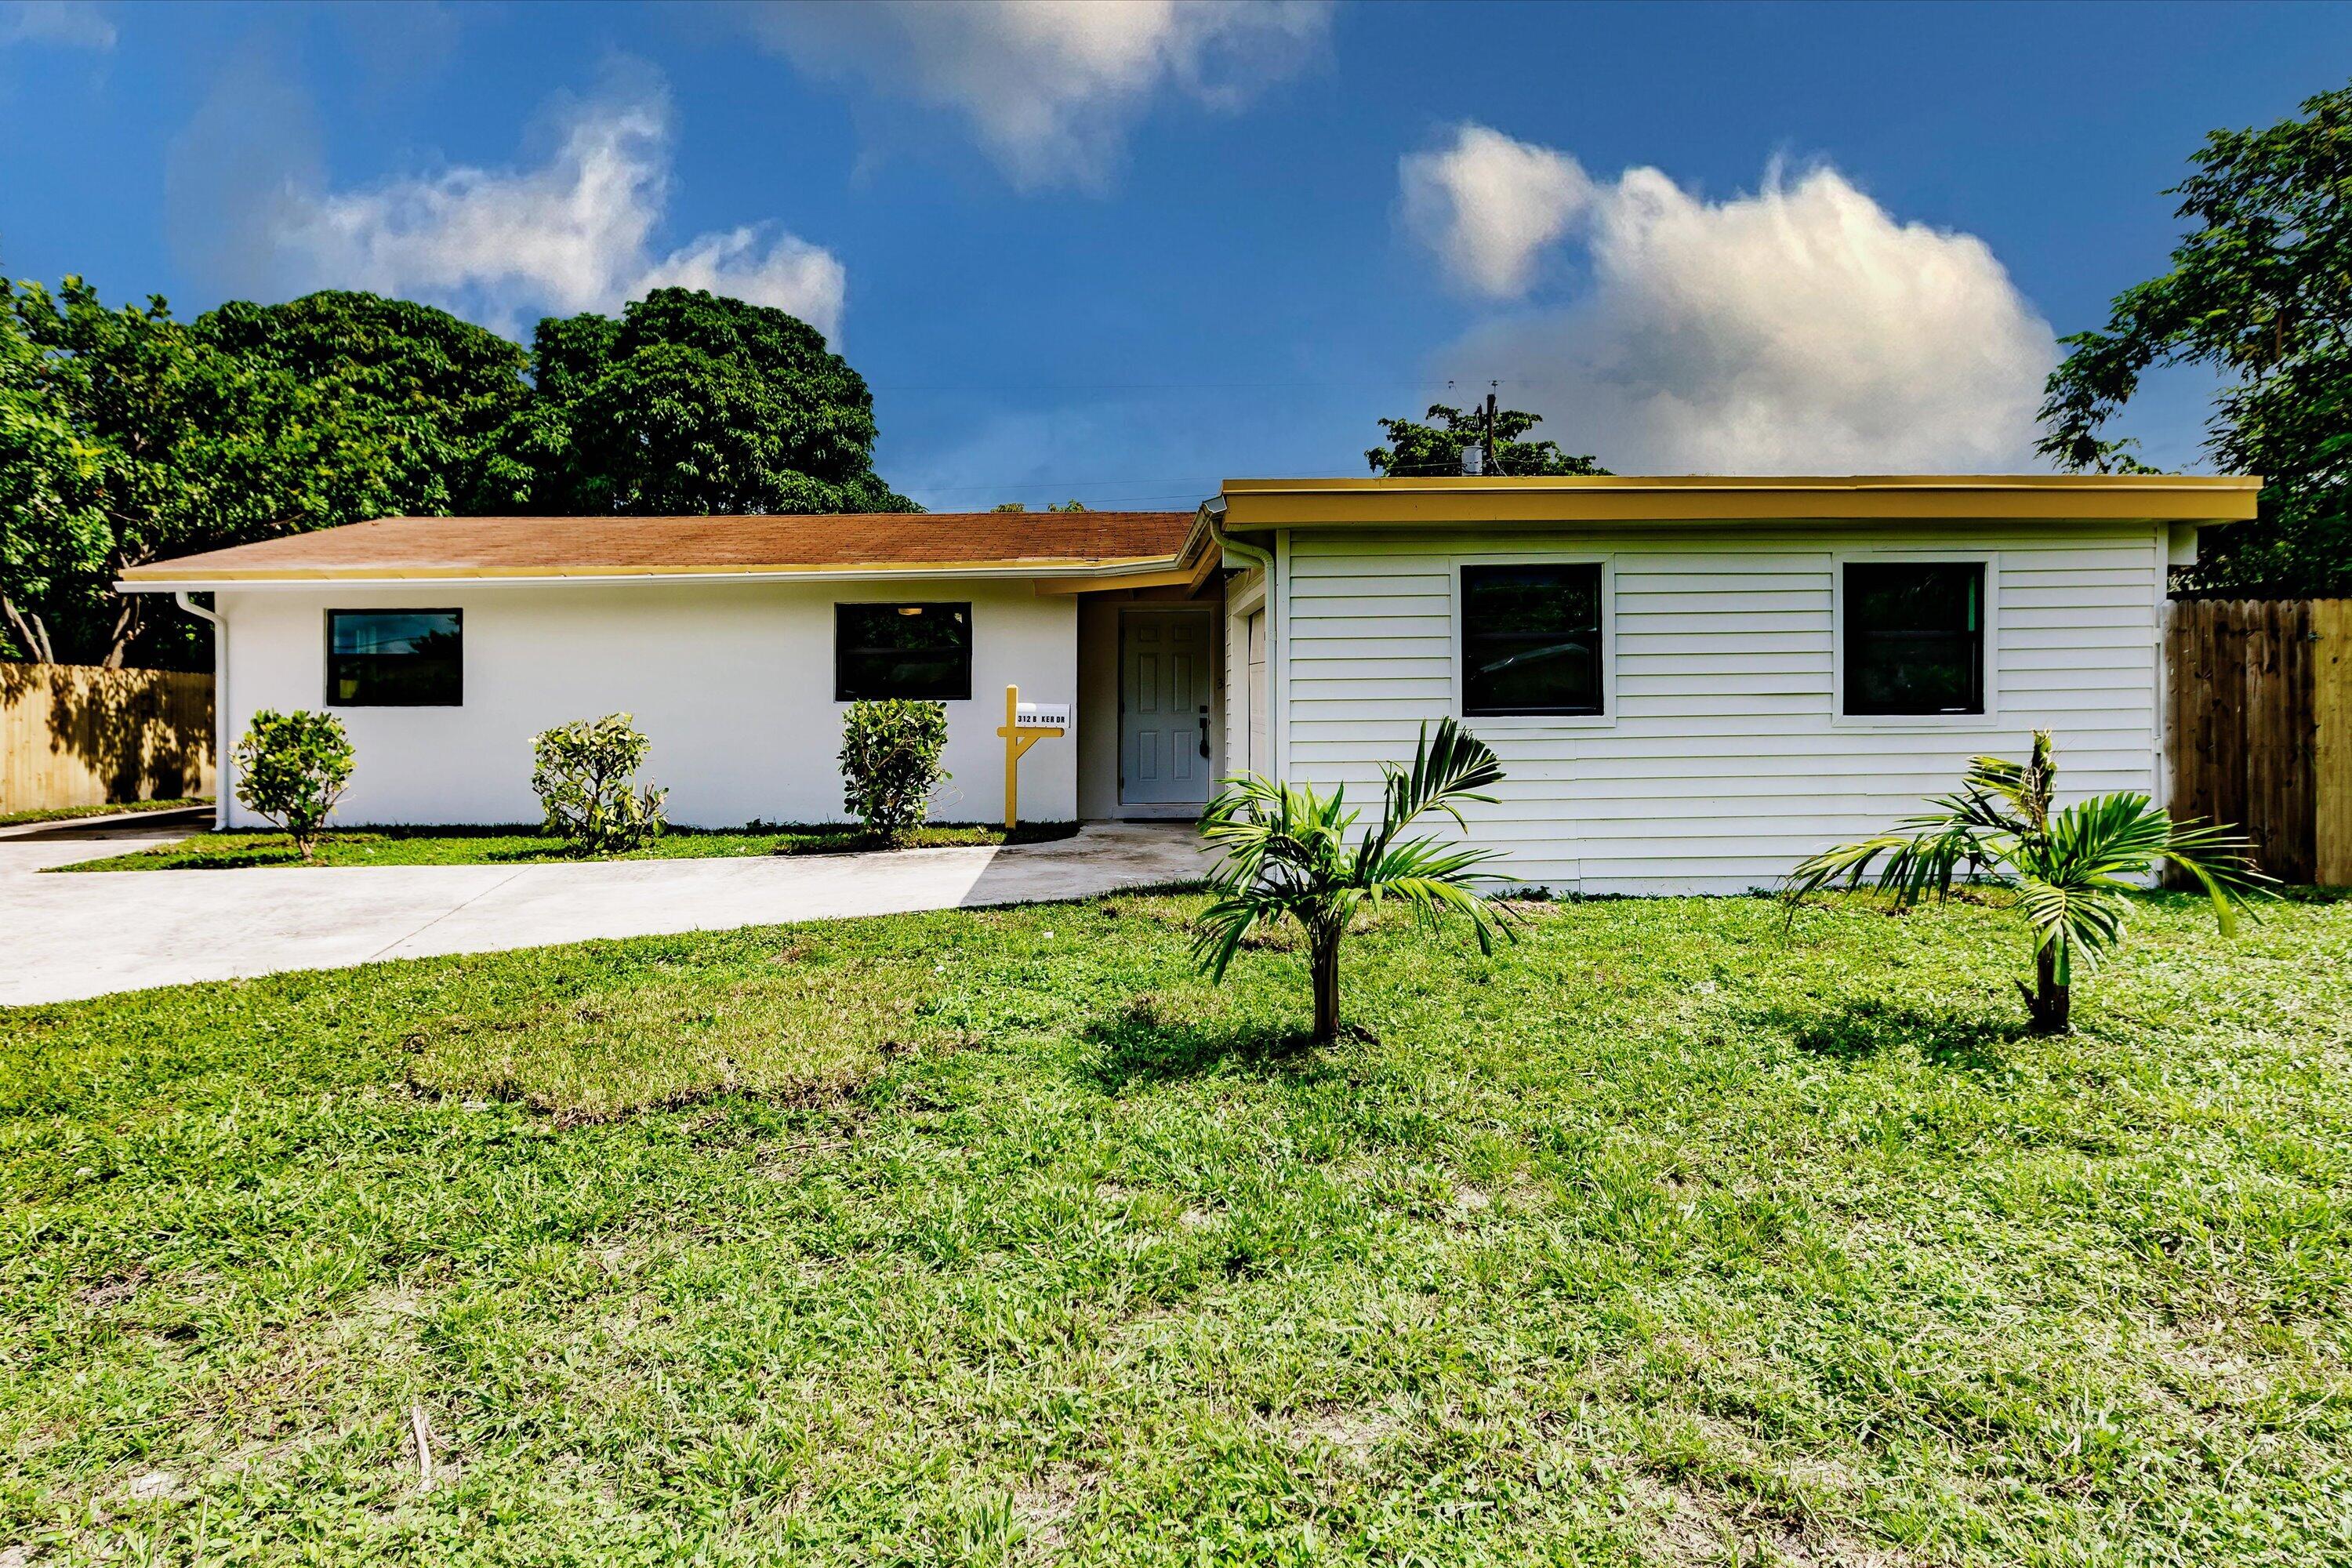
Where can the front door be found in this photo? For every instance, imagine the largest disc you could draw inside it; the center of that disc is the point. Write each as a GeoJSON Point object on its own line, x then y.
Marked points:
{"type": "Point", "coordinates": [1165, 684]}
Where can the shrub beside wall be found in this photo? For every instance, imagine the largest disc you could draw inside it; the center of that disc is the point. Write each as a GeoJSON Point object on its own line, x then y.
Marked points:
{"type": "Point", "coordinates": [890, 764]}
{"type": "Point", "coordinates": [584, 775]}
{"type": "Point", "coordinates": [291, 769]}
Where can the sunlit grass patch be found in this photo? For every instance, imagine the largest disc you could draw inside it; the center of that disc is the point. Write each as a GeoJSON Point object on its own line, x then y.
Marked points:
{"type": "Point", "coordinates": [792, 1030]}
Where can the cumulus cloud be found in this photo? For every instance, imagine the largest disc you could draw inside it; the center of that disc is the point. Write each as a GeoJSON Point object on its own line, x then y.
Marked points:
{"type": "Point", "coordinates": [1488, 205]}
{"type": "Point", "coordinates": [1799, 328]}
{"type": "Point", "coordinates": [81, 25]}
{"type": "Point", "coordinates": [574, 231]}
{"type": "Point", "coordinates": [1050, 87]}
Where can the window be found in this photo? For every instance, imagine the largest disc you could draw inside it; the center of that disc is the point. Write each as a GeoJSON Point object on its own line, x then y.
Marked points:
{"type": "Point", "coordinates": [394, 659]}
{"type": "Point", "coordinates": [1915, 638]}
{"type": "Point", "coordinates": [901, 650]}
{"type": "Point", "coordinates": [1531, 639]}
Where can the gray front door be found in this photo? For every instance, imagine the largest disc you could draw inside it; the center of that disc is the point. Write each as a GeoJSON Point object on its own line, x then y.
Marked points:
{"type": "Point", "coordinates": [1166, 686]}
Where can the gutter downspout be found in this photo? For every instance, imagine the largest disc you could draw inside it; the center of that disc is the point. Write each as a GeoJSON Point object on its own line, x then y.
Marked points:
{"type": "Point", "coordinates": [220, 703]}
{"type": "Point", "coordinates": [1212, 511]}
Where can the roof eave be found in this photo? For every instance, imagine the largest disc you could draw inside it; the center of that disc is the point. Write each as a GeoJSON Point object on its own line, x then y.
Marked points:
{"type": "Point", "coordinates": [183, 580]}
{"type": "Point", "coordinates": [1706, 499]}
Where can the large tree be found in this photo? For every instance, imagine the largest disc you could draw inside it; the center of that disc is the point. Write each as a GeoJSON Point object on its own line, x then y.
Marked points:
{"type": "Point", "coordinates": [691, 404]}
{"type": "Point", "coordinates": [131, 435]}
{"type": "Point", "coordinates": [126, 434]}
{"type": "Point", "coordinates": [1440, 444]}
{"type": "Point", "coordinates": [2260, 291]}
{"type": "Point", "coordinates": [52, 535]}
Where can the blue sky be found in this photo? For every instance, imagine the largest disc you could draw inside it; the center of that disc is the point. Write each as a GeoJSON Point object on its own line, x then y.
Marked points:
{"type": "Point", "coordinates": [1120, 252]}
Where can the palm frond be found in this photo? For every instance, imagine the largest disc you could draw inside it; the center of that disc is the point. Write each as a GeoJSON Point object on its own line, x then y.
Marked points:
{"type": "Point", "coordinates": [2222, 861]}
{"type": "Point", "coordinates": [1915, 863]}
{"type": "Point", "coordinates": [1450, 769]}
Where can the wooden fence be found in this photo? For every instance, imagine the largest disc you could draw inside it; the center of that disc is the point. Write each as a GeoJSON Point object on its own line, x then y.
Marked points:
{"type": "Point", "coordinates": [2260, 694]}
{"type": "Point", "coordinates": [77, 735]}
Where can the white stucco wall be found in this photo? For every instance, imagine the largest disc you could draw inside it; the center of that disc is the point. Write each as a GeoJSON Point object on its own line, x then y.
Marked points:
{"type": "Point", "coordinates": [1722, 759]}
{"type": "Point", "coordinates": [733, 683]}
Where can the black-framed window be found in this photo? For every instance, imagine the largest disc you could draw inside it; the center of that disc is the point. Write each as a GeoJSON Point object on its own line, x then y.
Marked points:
{"type": "Point", "coordinates": [1531, 639]}
{"type": "Point", "coordinates": [1915, 638]}
{"type": "Point", "coordinates": [921, 651]}
{"type": "Point", "coordinates": [395, 658]}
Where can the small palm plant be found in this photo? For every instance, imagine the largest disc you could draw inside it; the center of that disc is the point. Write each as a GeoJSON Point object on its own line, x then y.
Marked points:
{"type": "Point", "coordinates": [2070, 868]}
{"type": "Point", "coordinates": [1287, 856]}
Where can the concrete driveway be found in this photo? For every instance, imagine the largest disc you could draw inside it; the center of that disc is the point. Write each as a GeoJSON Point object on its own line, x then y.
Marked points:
{"type": "Point", "coordinates": [71, 936]}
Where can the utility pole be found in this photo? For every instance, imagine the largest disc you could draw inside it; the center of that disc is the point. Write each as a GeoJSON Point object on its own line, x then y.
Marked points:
{"type": "Point", "coordinates": [1486, 447]}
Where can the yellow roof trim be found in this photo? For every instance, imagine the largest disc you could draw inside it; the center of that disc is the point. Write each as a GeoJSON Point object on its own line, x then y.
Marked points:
{"type": "Point", "coordinates": [1170, 575]}
{"type": "Point", "coordinates": [1168, 572]}
{"type": "Point", "coordinates": [1709, 499]}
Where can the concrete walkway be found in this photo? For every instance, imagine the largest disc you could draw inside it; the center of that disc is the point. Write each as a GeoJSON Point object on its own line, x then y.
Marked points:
{"type": "Point", "coordinates": [83, 935]}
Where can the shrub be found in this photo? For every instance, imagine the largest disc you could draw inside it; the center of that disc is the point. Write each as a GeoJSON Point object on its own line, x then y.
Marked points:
{"type": "Point", "coordinates": [583, 776]}
{"type": "Point", "coordinates": [291, 769]}
{"type": "Point", "coordinates": [890, 764]}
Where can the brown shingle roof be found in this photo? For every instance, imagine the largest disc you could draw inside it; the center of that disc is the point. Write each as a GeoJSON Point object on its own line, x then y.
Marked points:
{"type": "Point", "coordinates": [624, 546]}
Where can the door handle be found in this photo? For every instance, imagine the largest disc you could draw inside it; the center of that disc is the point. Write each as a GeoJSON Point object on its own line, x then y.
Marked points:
{"type": "Point", "coordinates": [1204, 729]}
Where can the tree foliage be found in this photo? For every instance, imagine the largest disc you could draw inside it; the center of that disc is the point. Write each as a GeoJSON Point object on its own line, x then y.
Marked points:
{"type": "Point", "coordinates": [2260, 290]}
{"type": "Point", "coordinates": [1287, 856]}
{"type": "Point", "coordinates": [135, 435]}
{"type": "Point", "coordinates": [690, 403]}
{"type": "Point", "coordinates": [429, 391]}
{"type": "Point", "coordinates": [1440, 444]}
{"type": "Point", "coordinates": [291, 769]}
{"type": "Point", "coordinates": [2070, 868]}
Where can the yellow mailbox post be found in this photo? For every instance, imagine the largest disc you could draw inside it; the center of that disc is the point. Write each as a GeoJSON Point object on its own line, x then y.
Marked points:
{"type": "Point", "coordinates": [1022, 732]}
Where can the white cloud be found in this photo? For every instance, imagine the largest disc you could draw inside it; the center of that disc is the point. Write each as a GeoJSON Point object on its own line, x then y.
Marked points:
{"type": "Point", "coordinates": [73, 24]}
{"type": "Point", "coordinates": [1051, 85]}
{"type": "Point", "coordinates": [785, 270]}
{"type": "Point", "coordinates": [575, 231]}
{"type": "Point", "coordinates": [1488, 205]}
{"type": "Point", "coordinates": [1800, 328]}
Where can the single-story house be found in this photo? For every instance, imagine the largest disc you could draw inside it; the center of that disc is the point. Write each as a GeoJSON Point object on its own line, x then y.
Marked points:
{"type": "Point", "coordinates": [1692, 683]}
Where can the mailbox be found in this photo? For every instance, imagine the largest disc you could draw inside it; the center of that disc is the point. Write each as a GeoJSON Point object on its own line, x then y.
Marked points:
{"type": "Point", "coordinates": [1025, 724]}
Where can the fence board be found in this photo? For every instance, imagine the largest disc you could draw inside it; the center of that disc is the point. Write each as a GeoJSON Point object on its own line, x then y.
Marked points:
{"type": "Point", "coordinates": [79, 735]}
{"type": "Point", "coordinates": [2260, 704]}
{"type": "Point", "coordinates": [2331, 659]}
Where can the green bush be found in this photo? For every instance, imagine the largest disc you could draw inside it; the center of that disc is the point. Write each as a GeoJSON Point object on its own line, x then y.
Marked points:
{"type": "Point", "coordinates": [583, 776]}
{"type": "Point", "coordinates": [292, 768]}
{"type": "Point", "coordinates": [890, 764]}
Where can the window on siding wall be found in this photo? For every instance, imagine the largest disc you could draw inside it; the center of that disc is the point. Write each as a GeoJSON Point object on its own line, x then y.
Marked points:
{"type": "Point", "coordinates": [921, 651]}
{"type": "Point", "coordinates": [1915, 638]}
{"type": "Point", "coordinates": [1531, 639]}
{"type": "Point", "coordinates": [395, 658]}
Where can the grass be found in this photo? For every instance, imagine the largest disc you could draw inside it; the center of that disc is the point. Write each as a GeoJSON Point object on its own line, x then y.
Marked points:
{"type": "Point", "coordinates": [69, 812]}
{"type": "Point", "coordinates": [239, 847]}
{"type": "Point", "coordinates": [1670, 1234]}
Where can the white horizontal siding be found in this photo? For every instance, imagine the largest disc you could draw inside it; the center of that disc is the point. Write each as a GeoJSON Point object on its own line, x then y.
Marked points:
{"type": "Point", "coordinates": [1722, 761]}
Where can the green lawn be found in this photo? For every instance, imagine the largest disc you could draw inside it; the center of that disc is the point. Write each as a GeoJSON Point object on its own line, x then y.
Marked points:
{"type": "Point", "coordinates": [519, 845]}
{"type": "Point", "coordinates": [69, 812]}
{"type": "Point", "coordinates": [1671, 1235]}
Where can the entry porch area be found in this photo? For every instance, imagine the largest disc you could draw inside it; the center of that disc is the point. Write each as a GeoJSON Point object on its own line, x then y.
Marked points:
{"type": "Point", "coordinates": [1160, 673]}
